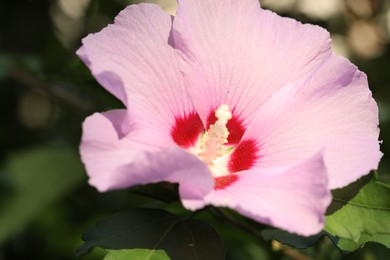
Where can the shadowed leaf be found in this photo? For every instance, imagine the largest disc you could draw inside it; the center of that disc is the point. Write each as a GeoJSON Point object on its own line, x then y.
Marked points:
{"type": "Point", "coordinates": [343, 195]}
{"type": "Point", "coordinates": [155, 229]}
{"type": "Point", "coordinates": [294, 240]}
{"type": "Point", "coordinates": [164, 191]}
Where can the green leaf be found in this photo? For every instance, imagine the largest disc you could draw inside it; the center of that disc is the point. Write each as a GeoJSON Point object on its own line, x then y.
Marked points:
{"type": "Point", "coordinates": [364, 218]}
{"type": "Point", "coordinates": [343, 195]}
{"type": "Point", "coordinates": [155, 229]}
{"type": "Point", "coordinates": [294, 240]}
{"type": "Point", "coordinates": [136, 254]}
{"type": "Point", "coordinates": [39, 177]}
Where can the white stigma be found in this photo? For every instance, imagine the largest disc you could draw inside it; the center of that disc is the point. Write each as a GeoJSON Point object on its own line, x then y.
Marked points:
{"type": "Point", "coordinates": [213, 141]}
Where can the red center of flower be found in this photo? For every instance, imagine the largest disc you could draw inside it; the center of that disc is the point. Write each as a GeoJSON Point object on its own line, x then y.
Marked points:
{"type": "Point", "coordinates": [243, 156]}
{"type": "Point", "coordinates": [187, 131]}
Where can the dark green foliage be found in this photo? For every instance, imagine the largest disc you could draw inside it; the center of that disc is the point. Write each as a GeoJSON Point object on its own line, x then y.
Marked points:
{"type": "Point", "coordinates": [294, 240]}
{"type": "Point", "coordinates": [155, 229]}
{"type": "Point", "coordinates": [164, 191]}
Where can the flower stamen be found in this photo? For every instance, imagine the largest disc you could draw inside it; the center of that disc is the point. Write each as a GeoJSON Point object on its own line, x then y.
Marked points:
{"type": "Point", "coordinates": [213, 141]}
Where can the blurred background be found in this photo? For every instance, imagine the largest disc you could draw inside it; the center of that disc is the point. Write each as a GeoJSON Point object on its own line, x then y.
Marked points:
{"type": "Point", "coordinates": [46, 92]}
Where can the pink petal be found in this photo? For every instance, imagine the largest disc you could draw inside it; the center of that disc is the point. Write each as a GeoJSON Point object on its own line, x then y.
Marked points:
{"type": "Point", "coordinates": [294, 199]}
{"type": "Point", "coordinates": [331, 109]}
{"type": "Point", "coordinates": [235, 53]}
{"type": "Point", "coordinates": [114, 163]}
{"type": "Point", "coordinates": [133, 60]}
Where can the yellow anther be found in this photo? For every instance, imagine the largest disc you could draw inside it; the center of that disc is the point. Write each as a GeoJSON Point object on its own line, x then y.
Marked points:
{"type": "Point", "coordinates": [213, 142]}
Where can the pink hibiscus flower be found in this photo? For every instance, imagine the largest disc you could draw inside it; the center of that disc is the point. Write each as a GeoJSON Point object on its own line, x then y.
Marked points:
{"type": "Point", "coordinates": [241, 107]}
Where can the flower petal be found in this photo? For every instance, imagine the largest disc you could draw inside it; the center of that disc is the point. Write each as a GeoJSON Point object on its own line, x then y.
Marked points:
{"type": "Point", "coordinates": [114, 163]}
{"type": "Point", "coordinates": [237, 54]}
{"type": "Point", "coordinates": [133, 60]}
{"type": "Point", "coordinates": [294, 199]}
{"type": "Point", "coordinates": [331, 109]}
